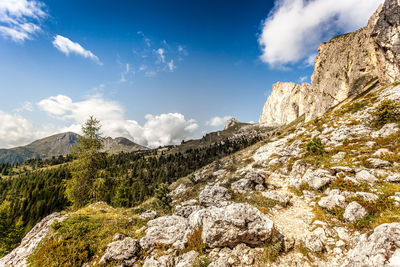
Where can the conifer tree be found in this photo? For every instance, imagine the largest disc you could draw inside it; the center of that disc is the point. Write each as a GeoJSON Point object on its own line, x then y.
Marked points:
{"type": "Point", "coordinates": [84, 170]}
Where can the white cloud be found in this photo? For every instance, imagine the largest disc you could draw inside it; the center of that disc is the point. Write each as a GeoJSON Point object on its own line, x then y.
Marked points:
{"type": "Point", "coordinates": [20, 19]}
{"type": "Point", "coordinates": [164, 129]}
{"type": "Point", "coordinates": [294, 29]}
{"type": "Point", "coordinates": [16, 130]}
{"type": "Point", "coordinates": [171, 66]}
{"type": "Point", "coordinates": [218, 121]}
{"type": "Point", "coordinates": [161, 54]}
{"type": "Point", "coordinates": [67, 46]}
{"type": "Point", "coordinates": [303, 79]}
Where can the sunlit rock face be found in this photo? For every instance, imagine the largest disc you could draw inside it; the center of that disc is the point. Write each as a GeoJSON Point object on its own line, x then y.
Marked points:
{"type": "Point", "coordinates": [344, 66]}
{"type": "Point", "coordinates": [286, 103]}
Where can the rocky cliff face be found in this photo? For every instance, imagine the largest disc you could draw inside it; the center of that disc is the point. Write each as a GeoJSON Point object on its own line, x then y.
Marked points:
{"type": "Point", "coordinates": [344, 66]}
{"type": "Point", "coordinates": [286, 103]}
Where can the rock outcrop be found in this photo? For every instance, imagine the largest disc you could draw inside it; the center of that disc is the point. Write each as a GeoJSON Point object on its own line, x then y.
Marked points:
{"type": "Point", "coordinates": [18, 257]}
{"type": "Point", "coordinates": [123, 251]}
{"type": "Point", "coordinates": [285, 104]}
{"type": "Point", "coordinates": [231, 225]}
{"type": "Point", "coordinates": [230, 123]}
{"type": "Point", "coordinates": [381, 248]}
{"type": "Point", "coordinates": [344, 66]}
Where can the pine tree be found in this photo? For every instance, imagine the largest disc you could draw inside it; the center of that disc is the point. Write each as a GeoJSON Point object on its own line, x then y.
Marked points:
{"type": "Point", "coordinates": [80, 190]}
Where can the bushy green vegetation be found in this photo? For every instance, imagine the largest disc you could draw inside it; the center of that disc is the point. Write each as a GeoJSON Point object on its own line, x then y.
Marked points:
{"type": "Point", "coordinates": [386, 112]}
{"type": "Point", "coordinates": [84, 234]}
{"type": "Point", "coordinates": [162, 196]}
{"type": "Point", "coordinates": [315, 146]}
{"type": "Point", "coordinates": [26, 199]}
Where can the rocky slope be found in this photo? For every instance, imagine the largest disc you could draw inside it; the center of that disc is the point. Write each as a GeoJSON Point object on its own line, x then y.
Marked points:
{"type": "Point", "coordinates": [344, 66]}
{"type": "Point", "coordinates": [324, 192]}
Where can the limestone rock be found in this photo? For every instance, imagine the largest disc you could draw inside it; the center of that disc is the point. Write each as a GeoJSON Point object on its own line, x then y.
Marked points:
{"type": "Point", "coordinates": [369, 197]}
{"type": "Point", "coordinates": [163, 261]}
{"type": "Point", "coordinates": [252, 181]}
{"type": "Point", "coordinates": [148, 214]}
{"type": "Point", "coordinates": [395, 178]}
{"type": "Point", "coordinates": [124, 250]}
{"type": "Point", "coordinates": [333, 199]}
{"type": "Point", "coordinates": [382, 151]}
{"type": "Point", "coordinates": [178, 190]}
{"type": "Point", "coordinates": [282, 197]}
{"type": "Point", "coordinates": [378, 249]}
{"type": "Point", "coordinates": [345, 65]}
{"type": "Point", "coordinates": [19, 255]}
{"type": "Point", "coordinates": [365, 176]}
{"type": "Point", "coordinates": [231, 225]}
{"type": "Point", "coordinates": [314, 240]}
{"type": "Point", "coordinates": [386, 36]}
{"type": "Point", "coordinates": [167, 230]}
{"type": "Point", "coordinates": [230, 123]}
{"type": "Point", "coordinates": [317, 179]}
{"type": "Point", "coordinates": [185, 211]}
{"type": "Point", "coordinates": [354, 212]}
{"type": "Point", "coordinates": [214, 196]}
{"type": "Point", "coordinates": [285, 104]}
{"type": "Point", "coordinates": [187, 259]}
{"type": "Point", "coordinates": [386, 130]}
{"type": "Point", "coordinates": [379, 163]}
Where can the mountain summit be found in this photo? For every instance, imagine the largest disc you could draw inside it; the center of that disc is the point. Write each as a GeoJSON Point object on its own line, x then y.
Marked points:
{"type": "Point", "coordinates": [61, 144]}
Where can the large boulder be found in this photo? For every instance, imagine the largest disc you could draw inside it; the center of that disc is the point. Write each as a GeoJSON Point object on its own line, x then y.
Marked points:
{"type": "Point", "coordinates": [381, 248]}
{"type": "Point", "coordinates": [252, 181]}
{"type": "Point", "coordinates": [122, 251]}
{"type": "Point", "coordinates": [19, 255]}
{"type": "Point", "coordinates": [215, 195]}
{"type": "Point", "coordinates": [167, 230]}
{"type": "Point", "coordinates": [231, 225]}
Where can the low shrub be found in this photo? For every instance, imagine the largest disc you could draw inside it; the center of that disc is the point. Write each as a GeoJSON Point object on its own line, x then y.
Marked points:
{"type": "Point", "coordinates": [272, 251]}
{"type": "Point", "coordinates": [163, 199]}
{"type": "Point", "coordinates": [195, 242]}
{"type": "Point", "coordinates": [315, 146]}
{"type": "Point", "coordinates": [386, 112]}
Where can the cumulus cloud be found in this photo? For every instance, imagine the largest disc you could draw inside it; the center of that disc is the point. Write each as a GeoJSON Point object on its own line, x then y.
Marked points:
{"type": "Point", "coordinates": [169, 128]}
{"type": "Point", "coordinates": [218, 121]}
{"type": "Point", "coordinates": [20, 19]}
{"type": "Point", "coordinates": [16, 130]}
{"type": "Point", "coordinates": [294, 28]}
{"type": "Point", "coordinates": [66, 46]}
{"type": "Point", "coordinates": [164, 129]}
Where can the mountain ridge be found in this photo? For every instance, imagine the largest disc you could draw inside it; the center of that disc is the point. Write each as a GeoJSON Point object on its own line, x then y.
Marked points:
{"type": "Point", "coordinates": [61, 144]}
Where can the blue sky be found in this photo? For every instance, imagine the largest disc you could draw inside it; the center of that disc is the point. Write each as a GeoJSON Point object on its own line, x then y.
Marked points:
{"type": "Point", "coordinates": [154, 71]}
